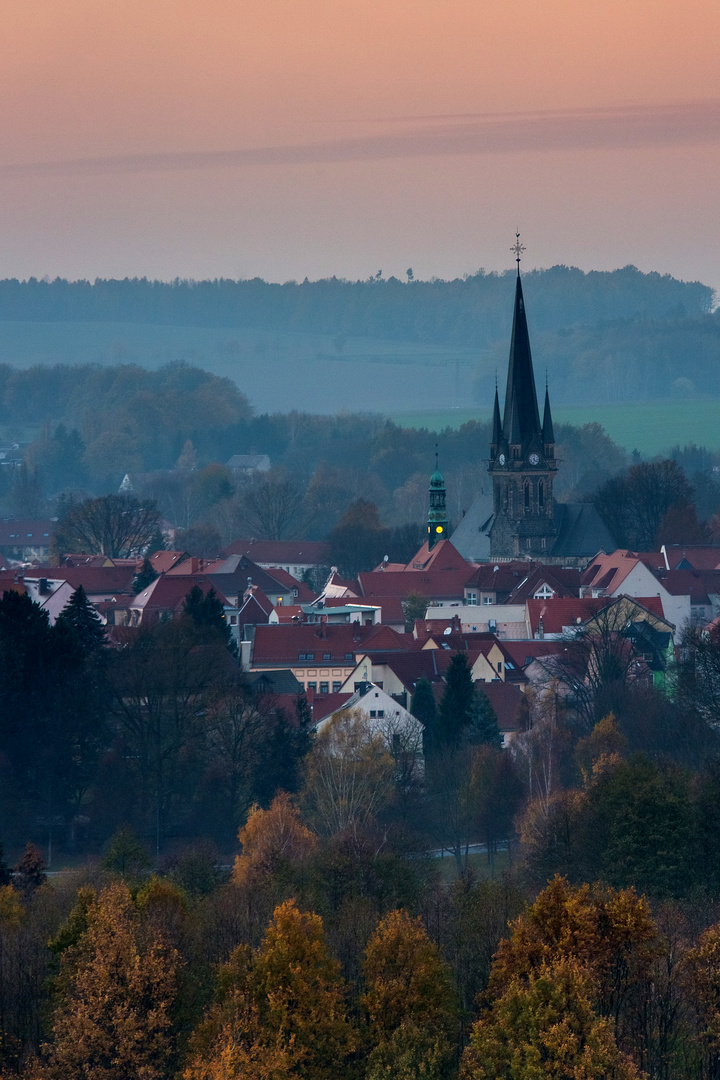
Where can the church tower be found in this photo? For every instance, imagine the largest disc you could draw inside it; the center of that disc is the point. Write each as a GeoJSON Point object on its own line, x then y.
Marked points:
{"type": "Point", "coordinates": [522, 454]}
{"type": "Point", "coordinates": [437, 517]}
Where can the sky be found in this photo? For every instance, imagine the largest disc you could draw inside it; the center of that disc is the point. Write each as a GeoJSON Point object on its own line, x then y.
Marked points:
{"type": "Point", "coordinates": [294, 138]}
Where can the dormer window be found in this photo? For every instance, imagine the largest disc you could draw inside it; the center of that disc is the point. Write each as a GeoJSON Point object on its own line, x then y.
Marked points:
{"type": "Point", "coordinates": [544, 592]}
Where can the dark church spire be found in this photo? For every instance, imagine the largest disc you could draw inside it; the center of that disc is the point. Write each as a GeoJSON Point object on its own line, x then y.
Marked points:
{"type": "Point", "coordinates": [438, 524]}
{"type": "Point", "coordinates": [548, 435]}
{"type": "Point", "coordinates": [521, 422]}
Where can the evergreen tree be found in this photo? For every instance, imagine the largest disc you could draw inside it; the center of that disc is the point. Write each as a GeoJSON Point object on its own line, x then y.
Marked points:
{"type": "Point", "coordinates": [81, 619]}
{"type": "Point", "coordinates": [208, 613]}
{"type": "Point", "coordinates": [483, 727]}
{"type": "Point", "coordinates": [5, 871]}
{"type": "Point", "coordinates": [144, 577]}
{"type": "Point", "coordinates": [458, 700]}
{"type": "Point", "coordinates": [423, 708]}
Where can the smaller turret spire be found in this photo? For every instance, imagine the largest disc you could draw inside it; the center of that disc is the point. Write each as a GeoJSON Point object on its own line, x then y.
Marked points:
{"type": "Point", "coordinates": [497, 424]}
{"type": "Point", "coordinates": [548, 435]}
{"type": "Point", "coordinates": [437, 517]}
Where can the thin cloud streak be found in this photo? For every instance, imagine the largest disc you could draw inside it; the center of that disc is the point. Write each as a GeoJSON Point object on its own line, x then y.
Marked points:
{"type": "Point", "coordinates": [630, 127]}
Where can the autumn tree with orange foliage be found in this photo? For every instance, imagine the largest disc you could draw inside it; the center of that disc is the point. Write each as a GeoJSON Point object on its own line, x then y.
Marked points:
{"type": "Point", "coordinates": [271, 840]}
{"type": "Point", "coordinates": [410, 1001]}
{"type": "Point", "coordinates": [118, 985]}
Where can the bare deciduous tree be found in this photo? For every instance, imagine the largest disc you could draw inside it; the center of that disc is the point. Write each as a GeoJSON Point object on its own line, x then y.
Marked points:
{"type": "Point", "coordinates": [115, 525]}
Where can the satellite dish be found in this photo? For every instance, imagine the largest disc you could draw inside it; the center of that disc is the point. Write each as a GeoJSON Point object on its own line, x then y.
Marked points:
{"type": "Point", "coordinates": [447, 630]}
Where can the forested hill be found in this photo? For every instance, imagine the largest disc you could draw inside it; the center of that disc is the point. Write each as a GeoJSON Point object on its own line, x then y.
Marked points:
{"type": "Point", "coordinates": [469, 312]}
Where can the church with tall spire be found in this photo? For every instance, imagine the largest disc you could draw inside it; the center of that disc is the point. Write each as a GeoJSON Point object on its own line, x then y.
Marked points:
{"type": "Point", "coordinates": [515, 515]}
{"type": "Point", "coordinates": [522, 461]}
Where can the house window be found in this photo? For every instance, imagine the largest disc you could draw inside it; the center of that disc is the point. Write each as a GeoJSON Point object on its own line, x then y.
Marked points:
{"type": "Point", "coordinates": [336, 687]}
{"type": "Point", "coordinates": [348, 656]}
{"type": "Point", "coordinates": [487, 599]}
{"type": "Point", "coordinates": [312, 686]}
{"type": "Point", "coordinates": [373, 714]}
{"type": "Point", "coordinates": [544, 592]}
{"type": "Point", "coordinates": [528, 542]}
{"type": "Point", "coordinates": [324, 688]}
{"type": "Point", "coordinates": [381, 714]}
{"type": "Point", "coordinates": [310, 656]}
{"type": "Point", "coordinates": [472, 599]}
{"type": "Point", "coordinates": [326, 656]}
{"type": "Point", "coordinates": [233, 620]}
{"type": "Point", "coordinates": [302, 656]}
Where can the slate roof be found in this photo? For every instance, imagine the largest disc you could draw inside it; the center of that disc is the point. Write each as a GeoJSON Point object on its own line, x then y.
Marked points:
{"type": "Point", "coordinates": [581, 532]}
{"type": "Point", "coordinates": [282, 552]}
{"type": "Point", "coordinates": [471, 536]}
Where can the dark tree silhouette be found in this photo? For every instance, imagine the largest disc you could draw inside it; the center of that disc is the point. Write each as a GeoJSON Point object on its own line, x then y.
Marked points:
{"type": "Point", "coordinates": [115, 525]}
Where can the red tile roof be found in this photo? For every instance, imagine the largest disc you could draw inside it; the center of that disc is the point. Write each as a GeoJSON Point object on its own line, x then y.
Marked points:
{"type": "Point", "coordinates": [24, 532]}
{"type": "Point", "coordinates": [95, 580]}
{"type": "Point", "coordinates": [162, 561]}
{"type": "Point", "coordinates": [168, 593]}
{"type": "Point", "coordinates": [305, 594]}
{"type": "Point", "coordinates": [435, 584]}
{"type": "Point", "coordinates": [557, 614]}
{"type": "Point", "coordinates": [701, 557]}
{"type": "Point", "coordinates": [693, 583]}
{"type": "Point", "coordinates": [443, 556]}
{"type": "Point", "coordinates": [506, 701]}
{"type": "Point", "coordinates": [564, 583]}
{"type": "Point", "coordinates": [283, 644]}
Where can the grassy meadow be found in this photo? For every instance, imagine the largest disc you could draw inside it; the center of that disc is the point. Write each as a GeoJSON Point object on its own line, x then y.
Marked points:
{"type": "Point", "coordinates": [650, 427]}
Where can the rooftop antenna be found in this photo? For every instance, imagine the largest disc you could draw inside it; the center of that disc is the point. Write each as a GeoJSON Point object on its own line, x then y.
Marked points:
{"type": "Point", "coordinates": [518, 248]}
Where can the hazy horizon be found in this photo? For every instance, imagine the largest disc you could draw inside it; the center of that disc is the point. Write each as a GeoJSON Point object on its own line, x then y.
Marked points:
{"type": "Point", "coordinates": [286, 140]}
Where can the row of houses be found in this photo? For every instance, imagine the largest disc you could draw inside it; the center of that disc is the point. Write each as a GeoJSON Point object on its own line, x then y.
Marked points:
{"type": "Point", "coordinates": [508, 617]}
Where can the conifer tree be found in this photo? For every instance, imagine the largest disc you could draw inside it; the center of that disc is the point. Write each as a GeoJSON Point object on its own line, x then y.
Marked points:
{"type": "Point", "coordinates": [81, 619]}
{"type": "Point", "coordinates": [483, 727]}
{"type": "Point", "coordinates": [423, 708]}
{"type": "Point", "coordinates": [144, 577]}
{"type": "Point", "coordinates": [208, 612]}
{"type": "Point", "coordinates": [456, 706]}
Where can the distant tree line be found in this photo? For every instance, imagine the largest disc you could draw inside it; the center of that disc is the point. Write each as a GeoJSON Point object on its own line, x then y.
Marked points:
{"type": "Point", "coordinates": [470, 311]}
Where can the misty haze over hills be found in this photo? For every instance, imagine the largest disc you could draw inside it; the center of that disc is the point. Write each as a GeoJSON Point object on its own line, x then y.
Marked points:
{"type": "Point", "coordinates": [333, 344]}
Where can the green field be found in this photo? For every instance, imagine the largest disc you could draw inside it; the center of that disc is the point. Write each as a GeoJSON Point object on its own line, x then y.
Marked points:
{"type": "Point", "coordinates": [651, 427]}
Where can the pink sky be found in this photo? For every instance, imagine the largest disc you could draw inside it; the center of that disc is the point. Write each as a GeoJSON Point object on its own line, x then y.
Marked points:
{"type": "Point", "coordinates": [309, 137]}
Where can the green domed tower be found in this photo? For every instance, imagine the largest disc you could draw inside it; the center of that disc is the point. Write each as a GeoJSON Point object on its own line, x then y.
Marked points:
{"type": "Point", "coordinates": [437, 517]}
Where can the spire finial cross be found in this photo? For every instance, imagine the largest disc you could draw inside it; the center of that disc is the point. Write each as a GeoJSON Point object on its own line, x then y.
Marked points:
{"type": "Point", "coordinates": [518, 248]}
{"type": "Point", "coordinates": [436, 457]}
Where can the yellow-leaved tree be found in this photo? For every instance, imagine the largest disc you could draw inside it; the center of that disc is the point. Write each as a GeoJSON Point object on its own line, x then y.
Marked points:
{"type": "Point", "coordinates": [281, 1012]}
{"type": "Point", "coordinates": [410, 1001]}
{"type": "Point", "coordinates": [118, 984]}
{"type": "Point", "coordinates": [544, 1027]}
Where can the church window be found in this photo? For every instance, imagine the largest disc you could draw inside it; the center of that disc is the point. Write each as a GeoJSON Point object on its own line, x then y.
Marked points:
{"type": "Point", "coordinates": [528, 543]}
{"type": "Point", "coordinates": [541, 494]}
{"type": "Point", "coordinates": [527, 496]}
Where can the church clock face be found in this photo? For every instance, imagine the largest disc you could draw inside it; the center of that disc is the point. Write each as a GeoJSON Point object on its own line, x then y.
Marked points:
{"type": "Point", "coordinates": [501, 459]}
{"type": "Point", "coordinates": [534, 459]}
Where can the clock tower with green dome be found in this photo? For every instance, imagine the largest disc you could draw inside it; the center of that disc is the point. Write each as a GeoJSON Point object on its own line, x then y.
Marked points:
{"type": "Point", "coordinates": [437, 517]}
{"type": "Point", "coordinates": [522, 462]}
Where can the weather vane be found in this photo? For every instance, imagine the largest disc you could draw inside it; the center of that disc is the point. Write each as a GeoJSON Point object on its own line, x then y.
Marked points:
{"type": "Point", "coordinates": [518, 248]}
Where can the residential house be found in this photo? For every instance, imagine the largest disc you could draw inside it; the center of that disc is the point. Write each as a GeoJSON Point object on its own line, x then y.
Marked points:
{"type": "Point", "coordinates": [26, 539]}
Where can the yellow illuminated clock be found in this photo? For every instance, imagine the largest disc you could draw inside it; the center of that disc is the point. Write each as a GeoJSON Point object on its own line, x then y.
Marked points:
{"type": "Point", "coordinates": [438, 528]}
